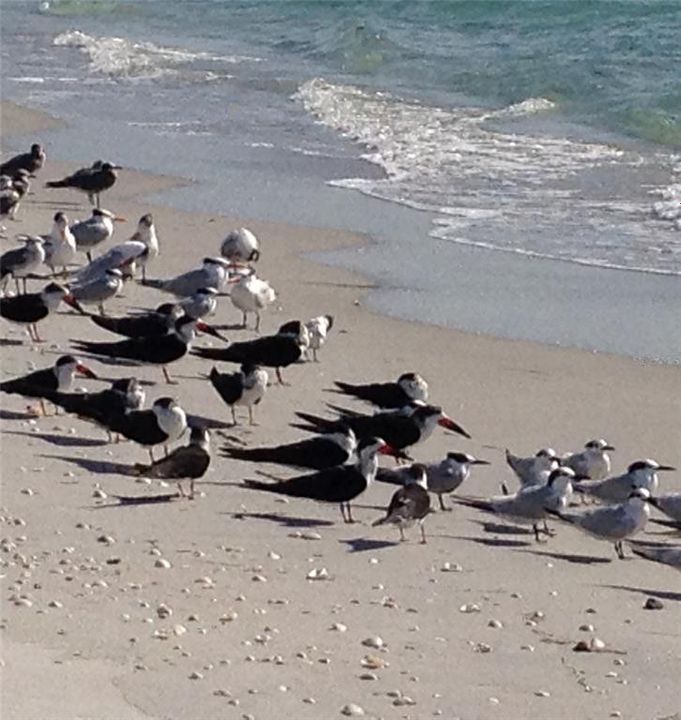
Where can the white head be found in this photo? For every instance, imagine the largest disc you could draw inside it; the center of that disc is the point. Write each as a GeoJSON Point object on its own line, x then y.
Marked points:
{"type": "Point", "coordinates": [546, 459]}
{"type": "Point", "coordinates": [561, 479]}
{"type": "Point", "coordinates": [598, 446]}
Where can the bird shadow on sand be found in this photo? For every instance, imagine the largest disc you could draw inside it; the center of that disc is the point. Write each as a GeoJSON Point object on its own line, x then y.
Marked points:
{"type": "Point", "coordinates": [9, 342]}
{"type": "Point", "coordinates": [99, 467]}
{"type": "Point", "coordinates": [285, 520]}
{"type": "Point", "coordinates": [362, 544]}
{"type": "Point", "coordinates": [502, 528]}
{"type": "Point", "coordinates": [571, 558]}
{"type": "Point", "coordinates": [12, 415]}
{"type": "Point", "coordinates": [62, 440]}
{"type": "Point", "coordinates": [489, 542]}
{"type": "Point", "coordinates": [661, 594]}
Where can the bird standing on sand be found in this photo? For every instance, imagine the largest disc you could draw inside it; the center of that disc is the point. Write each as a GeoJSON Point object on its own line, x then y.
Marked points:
{"type": "Point", "coordinates": [640, 474]}
{"type": "Point", "coordinates": [240, 246]}
{"type": "Point", "coordinates": [334, 485]}
{"type": "Point", "coordinates": [12, 192]}
{"type": "Point", "coordinates": [31, 308]}
{"type": "Point", "coordinates": [31, 161]}
{"type": "Point", "coordinates": [534, 470]}
{"type": "Point", "coordinates": [91, 180]}
{"type": "Point", "coordinates": [189, 462]}
{"type": "Point", "coordinates": [213, 273]}
{"type": "Point", "coordinates": [98, 228]}
{"type": "Point", "coordinates": [245, 388]}
{"type": "Point", "coordinates": [250, 294]}
{"type": "Point", "coordinates": [146, 234]}
{"type": "Point", "coordinates": [614, 523]}
{"type": "Point", "coordinates": [60, 244]}
{"type": "Point", "coordinates": [593, 462]}
{"type": "Point", "coordinates": [318, 329]}
{"type": "Point", "coordinates": [22, 261]}
{"type": "Point", "coordinates": [98, 290]}
{"type": "Point", "coordinates": [409, 387]}
{"type": "Point", "coordinates": [410, 504]}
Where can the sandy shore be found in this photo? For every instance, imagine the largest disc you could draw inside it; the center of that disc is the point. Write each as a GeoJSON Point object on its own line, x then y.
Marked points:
{"type": "Point", "coordinates": [249, 634]}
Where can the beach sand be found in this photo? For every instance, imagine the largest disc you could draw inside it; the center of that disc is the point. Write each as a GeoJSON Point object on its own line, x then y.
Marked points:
{"type": "Point", "coordinates": [250, 636]}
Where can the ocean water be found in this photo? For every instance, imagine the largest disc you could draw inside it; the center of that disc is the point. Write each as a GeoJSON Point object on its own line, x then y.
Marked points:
{"type": "Point", "coordinates": [528, 129]}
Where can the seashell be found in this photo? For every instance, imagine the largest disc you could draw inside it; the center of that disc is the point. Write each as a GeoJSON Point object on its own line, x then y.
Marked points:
{"type": "Point", "coordinates": [196, 676]}
{"type": "Point", "coordinates": [318, 574]}
{"type": "Point", "coordinates": [163, 611]}
{"type": "Point", "coordinates": [371, 662]}
{"type": "Point", "coordinates": [162, 563]}
{"type": "Point", "coordinates": [352, 710]}
{"type": "Point", "coordinates": [375, 642]}
{"type": "Point", "coordinates": [495, 624]}
{"type": "Point", "coordinates": [339, 627]}
{"type": "Point", "coordinates": [469, 608]}
{"type": "Point", "coordinates": [653, 603]}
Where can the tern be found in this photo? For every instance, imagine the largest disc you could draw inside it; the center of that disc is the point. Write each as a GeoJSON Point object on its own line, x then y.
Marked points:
{"type": "Point", "coordinates": [214, 273]}
{"type": "Point", "coordinates": [119, 257]}
{"type": "Point", "coordinates": [31, 308]}
{"type": "Point", "coordinates": [669, 504]}
{"type": "Point", "coordinates": [31, 161]}
{"type": "Point", "coordinates": [534, 470]}
{"type": "Point", "coordinates": [593, 462]}
{"type": "Point", "coordinates": [614, 523]}
{"type": "Point", "coordinates": [245, 388]}
{"type": "Point", "coordinates": [98, 290]}
{"type": "Point", "coordinates": [665, 554]}
{"type": "Point", "coordinates": [318, 329]}
{"type": "Point", "coordinates": [240, 246]}
{"type": "Point", "coordinates": [22, 261]}
{"type": "Point", "coordinates": [146, 234]}
{"type": "Point", "coordinates": [201, 304]}
{"type": "Point", "coordinates": [98, 228]}
{"type": "Point", "coordinates": [335, 485]}
{"type": "Point", "coordinates": [92, 180]}
{"type": "Point", "coordinates": [60, 244]}
{"type": "Point", "coordinates": [410, 504]}
{"type": "Point", "coordinates": [250, 294]}
{"type": "Point", "coordinates": [410, 387]}
{"type": "Point", "coordinates": [640, 474]}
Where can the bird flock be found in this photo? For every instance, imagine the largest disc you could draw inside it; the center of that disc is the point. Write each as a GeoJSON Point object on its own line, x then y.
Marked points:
{"type": "Point", "coordinates": [336, 459]}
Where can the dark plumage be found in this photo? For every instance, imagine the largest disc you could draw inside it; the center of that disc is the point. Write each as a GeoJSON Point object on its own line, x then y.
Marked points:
{"type": "Point", "coordinates": [92, 180]}
{"type": "Point", "coordinates": [150, 324]}
{"type": "Point", "coordinates": [409, 504]}
{"type": "Point", "coordinates": [388, 395]}
{"type": "Point", "coordinates": [31, 161]}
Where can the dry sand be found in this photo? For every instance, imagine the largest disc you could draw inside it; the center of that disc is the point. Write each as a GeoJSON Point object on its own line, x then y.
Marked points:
{"type": "Point", "coordinates": [250, 636]}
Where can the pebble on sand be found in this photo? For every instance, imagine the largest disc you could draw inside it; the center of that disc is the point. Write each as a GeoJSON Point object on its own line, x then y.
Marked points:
{"type": "Point", "coordinates": [352, 710]}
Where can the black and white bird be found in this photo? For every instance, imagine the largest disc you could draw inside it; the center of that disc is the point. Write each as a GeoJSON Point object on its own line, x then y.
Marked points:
{"type": "Point", "coordinates": [213, 273]}
{"type": "Point", "coordinates": [92, 180]}
{"type": "Point", "coordinates": [157, 322]}
{"type": "Point", "coordinates": [614, 523]}
{"type": "Point", "coordinates": [316, 453]}
{"type": "Point", "coordinates": [21, 262]}
{"type": "Point", "coordinates": [340, 485]}
{"type": "Point", "coordinates": [442, 478]}
{"type": "Point", "coordinates": [151, 350]}
{"type": "Point", "coordinates": [533, 470]}
{"type": "Point", "coordinates": [189, 462]}
{"type": "Point", "coordinates": [593, 462]}
{"type": "Point", "coordinates": [410, 387]}
{"type": "Point", "coordinates": [318, 329]}
{"type": "Point", "coordinates": [276, 351]}
{"type": "Point", "coordinates": [95, 230]}
{"type": "Point", "coordinates": [240, 246]}
{"type": "Point", "coordinates": [640, 474]}
{"type": "Point", "coordinates": [410, 504]}
{"type": "Point", "coordinates": [31, 161]}
{"type": "Point", "coordinates": [58, 378]}
{"type": "Point", "coordinates": [31, 308]}
{"type": "Point", "coordinates": [60, 244]}
{"type": "Point", "coordinates": [245, 388]}
{"type": "Point", "coordinates": [146, 234]}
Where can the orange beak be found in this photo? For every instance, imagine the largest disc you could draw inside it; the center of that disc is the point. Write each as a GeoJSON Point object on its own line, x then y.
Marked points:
{"type": "Point", "coordinates": [447, 422]}
{"type": "Point", "coordinates": [70, 300]}
{"type": "Point", "coordinates": [86, 372]}
{"type": "Point", "coordinates": [119, 219]}
{"type": "Point", "coordinates": [386, 449]}
{"type": "Point", "coordinates": [209, 330]}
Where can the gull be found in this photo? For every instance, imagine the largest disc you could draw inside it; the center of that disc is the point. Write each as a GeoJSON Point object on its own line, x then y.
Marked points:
{"type": "Point", "coordinates": [240, 245]}
{"type": "Point", "coordinates": [250, 294]}
{"type": "Point", "coordinates": [31, 161]}
{"type": "Point", "coordinates": [534, 470]}
{"type": "Point", "coordinates": [410, 504]}
{"type": "Point", "coordinates": [92, 180]}
{"type": "Point", "coordinates": [98, 228]}
{"type": "Point", "coordinates": [120, 257]}
{"type": "Point", "coordinates": [22, 261]}
{"type": "Point", "coordinates": [614, 523]}
{"type": "Point", "coordinates": [640, 474]}
{"type": "Point", "coordinates": [532, 503]}
{"type": "Point", "coordinates": [146, 234]}
{"type": "Point", "coordinates": [593, 462]}
{"type": "Point", "coordinates": [60, 244]}
{"type": "Point", "coordinates": [318, 328]}
{"type": "Point", "coordinates": [666, 554]}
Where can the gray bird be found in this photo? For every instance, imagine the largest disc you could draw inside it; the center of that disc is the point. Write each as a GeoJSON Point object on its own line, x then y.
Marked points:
{"type": "Point", "coordinates": [213, 273]}
{"type": "Point", "coordinates": [92, 180]}
{"type": "Point", "coordinates": [99, 290]}
{"type": "Point", "coordinates": [31, 161]}
{"type": "Point", "coordinates": [22, 261]}
{"type": "Point", "coordinates": [640, 474]}
{"type": "Point", "coordinates": [201, 304]}
{"type": "Point", "coordinates": [534, 470]}
{"type": "Point", "coordinates": [240, 246]}
{"type": "Point", "coordinates": [669, 504]}
{"type": "Point", "coordinates": [665, 554]}
{"type": "Point", "coordinates": [593, 462]}
{"type": "Point", "coordinates": [410, 504]}
{"type": "Point", "coordinates": [98, 228]}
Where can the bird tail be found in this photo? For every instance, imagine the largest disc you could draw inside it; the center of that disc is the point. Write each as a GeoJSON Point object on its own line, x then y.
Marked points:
{"type": "Point", "coordinates": [214, 354]}
{"type": "Point", "coordinates": [388, 476]}
{"type": "Point", "coordinates": [154, 283]}
{"type": "Point", "coordinates": [473, 502]}
{"type": "Point", "coordinates": [380, 521]}
{"type": "Point", "coordinates": [57, 183]}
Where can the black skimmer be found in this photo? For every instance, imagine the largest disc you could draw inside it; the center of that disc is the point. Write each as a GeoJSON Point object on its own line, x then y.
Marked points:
{"type": "Point", "coordinates": [154, 350]}
{"type": "Point", "coordinates": [31, 161]}
{"type": "Point", "coordinates": [592, 462]}
{"type": "Point", "coordinates": [146, 234]}
{"type": "Point", "coordinates": [533, 470]}
{"type": "Point", "coordinates": [333, 485]}
{"type": "Point", "coordinates": [409, 387]}
{"type": "Point", "coordinates": [250, 294]}
{"type": "Point", "coordinates": [21, 262]}
{"type": "Point", "coordinates": [31, 308]}
{"type": "Point", "coordinates": [164, 423]}
{"type": "Point", "coordinates": [102, 407]}
{"type": "Point", "coordinates": [214, 273]}
{"type": "Point", "coordinates": [277, 351]}
{"type": "Point", "coordinates": [98, 228]}
{"type": "Point", "coordinates": [410, 504]}
{"type": "Point", "coordinates": [245, 388]}
{"type": "Point", "coordinates": [317, 453]}
{"type": "Point", "coordinates": [188, 462]}
{"type": "Point", "coordinates": [57, 378]}
{"type": "Point", "coordinates": [60, 244]}
{"type": "Point", "coordinates": [318, 329]}
{"type": "Point", "coordinates": [240, 246]}
{"type": "Point", "coordinates": [401, 429]}
{"type": "Point", "coordinates": [91, 180]}
{"type": "Point", "coordinates": [149, 324]}
{"type": "Point", "coordinates": [442, 478]}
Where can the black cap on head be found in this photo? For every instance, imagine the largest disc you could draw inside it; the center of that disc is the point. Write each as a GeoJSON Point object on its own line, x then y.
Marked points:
{"type": "Point", "coordinates": [368, 442]}
{"type": "Point", "coordinates": [292, 327]}
{"type": "Point", "coordinates": [59, 216]}
{"type": "Point", "coordinates": [198, 434]}
{"type": "Point", "coordinates": [164, 402]}
{"type": "Point", "coordinates": [55, 288]}
{"type": "Point", "coordinates": [459, 457]}
{"type": "Point", "coordinates": [36, 149]}
{"type": "Point", "coordinates": [416, 471]}
{"type": "Point", "coordinates": [407, 377]}
{"type": "Point", "coordinates": [147, 219]}
{"type": "Point", "coordinates": [125, 385]}
{"type": "Point", "coordinates": [165, 308]}
{"type": "Point", "coordinates": [66, 360]}
{"type": "Point", "coordinates": [639, 465]}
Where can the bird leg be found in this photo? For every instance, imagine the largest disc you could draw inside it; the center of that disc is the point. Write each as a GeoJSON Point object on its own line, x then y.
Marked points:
{"type": "Point", "coordinates": [251, 421]}
{"type": "Point", "coordinates": [244, 319]}
{"type": "Point", "coordinates": [548, 531]}
{"type": "Point", "coordinates": [151, 455]}
{"type": "Point", "coordinates": [403, 537]}
{"type": "Point", "coordinates": [349, 509]}
{"type": "Point", "coordinates": [35, 337]}
{"type": "Point", "coordinates": [535, 527]}
{"type": "Point", "coordinates": [166, 375]}
{"type": "Point", "coordinates": [619, 550]}
{"type": "Point", "coordinates": [443, 507]}
{"type": "Point", "coordinates": [257, 321]}
{"type": "Point", "coordinates": [180, 488]}
{"type": "Point", "coordinates": [191, 489]}
{"type": "Point", "coordinates": [88, 255]}
{"type": "Point", "coordinates": [342, 509]}
{"type": "Point", "coordinates": [43, 408]}
{"type": "Point", "coordinates": [166, 450]}
{"type": "Point", "coordinates": [234, 420]}
{"type": "Point", "coordinates": [16, 285]}
{"type": "Point", "coordinates": [280, 378]}
{"type": "Point", "coordinates": [423, 535]}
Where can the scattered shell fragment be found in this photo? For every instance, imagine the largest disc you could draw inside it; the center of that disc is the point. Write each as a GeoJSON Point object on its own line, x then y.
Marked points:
{"type": "Point", "coordinates": [372, 662]}
{"type": "Point", "coordinates": [469, 608]}
{"type": "Point", "coordinates": [162, 563]}
{"type": "Point", "coordinates": [318, 574]}
{"type": "Point", "coordinates": [339, 627]}
{"type": "Point", "coordinates": [375, 642]}
{"type": "Point", "coordinates": [483, 648]}
{"type": "Point", "coordinates": [99, 494]}
{"type": "Point", "coordinates": [196, 676]}
{"type": "Point", "coordinates": [497, 624]}
{"type": "Point", "coordinates": [653, 603]}
{"type": "Point", "coordinates": [352, 710]}
{"type": "Point", "coordinates": [542, 693]}
{"type": "Point", "coordinates": [163, 611]}
{"type": "Point", "coordinates": [451, 567]}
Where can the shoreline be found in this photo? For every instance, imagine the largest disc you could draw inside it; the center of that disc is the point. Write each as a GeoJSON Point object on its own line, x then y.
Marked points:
{"type": "Point", "coordinates": [511, 393]}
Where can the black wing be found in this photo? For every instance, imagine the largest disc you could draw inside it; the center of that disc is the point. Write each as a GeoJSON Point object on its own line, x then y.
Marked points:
{"type": "Point", "coordinates": [10, 259]}
{"type": "Point", "coordinates": [27, 308]}
{"type": "Point", "coordinates": [25, 161]}
{"type": "Point", "coordinates": [158, 350]}
{"type": "Point", "coordinates": [316, 453]}
{"type": "Point", "coordinates": [339, 484]}
{"type": "Point", "coordinates": [100, 407]}
{"type": "Point", "coordinates": [385, 395]}
{"type": "Point", "coordinates": [141, 426]}
{"type": "Point", "coordinates": [230, 386]}
{"type": "Point", "coordinates": [147, 325]}
{"type": "Point", "coordinates": [270, 351]}
{"type": "Point", "coordinates": [31, 385]}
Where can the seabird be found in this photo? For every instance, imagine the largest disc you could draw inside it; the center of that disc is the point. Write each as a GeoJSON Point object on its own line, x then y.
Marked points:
{"type": "Point", "coordinates": [250, 294]}
{"type": "Point", "coordinates": [98, 228]}
{"type": "Point", "coordinates": [640, 474]}
{"type": "Point", "coordinates": [401, 429]}
{"type": "Point", "coordinates": [443, 478]}
{"type": "Point", "coordinates": [276, 351]}
{"type": "Point", "coordinates": [614, 523]}
{"type": "Point", "coordinates": [669, 504]}
{"type": "Point", "coordinates": [60, 244]}
{"type": "Point", "coordinates": [22, 261]}
{"type": "Point", "coordinates": [149, 324]}
{"type": "Point", "coordinates": [409, 387]}
{"type": "Point", "coordinates": [593, 462]}
{"type": "Point", "coordinates": [57, 378]}
{"type": "Point", "coordinates": [317, 453]}
{"type": "Point", "coordinates": [318, 329]}
{"type": "Point", "coordinates": [146, 234]}
{"type": "Point", "coordinates": [534, 470]}
{"type": "Point", "coordinates": [245, 388]}
{"type": "Point", "coordinates": [334, 485]}
{"type": "Point", "coordinates": [201, 304]}
{"type": "Point", "coordinates": [530, 504]}
{"type": "Point", "coordinates": [240, 246]}
{"type": "Point", "coordinates": [9, 198]}
{"type": "Point", "coordinates": [98, 290]}
{"type": "Point", "coordinates": [410, 504]}
{"type": "Point", "coordinates": [31, 308]}
{"type": "Point", "coordinates": [214, 272]}
{"type": "Point", "coordinates": [154, 350]}
{"type": "Point", "coordinates": [91, 180]}
{"type": "Point", "coordinates": [31, 161]}
{"type": "Point", "coordinates": [119, 257]}
{"type": "Point", "coordinates": [657, 552]}
{"type": "Point", "coordinates": [189, 462]}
